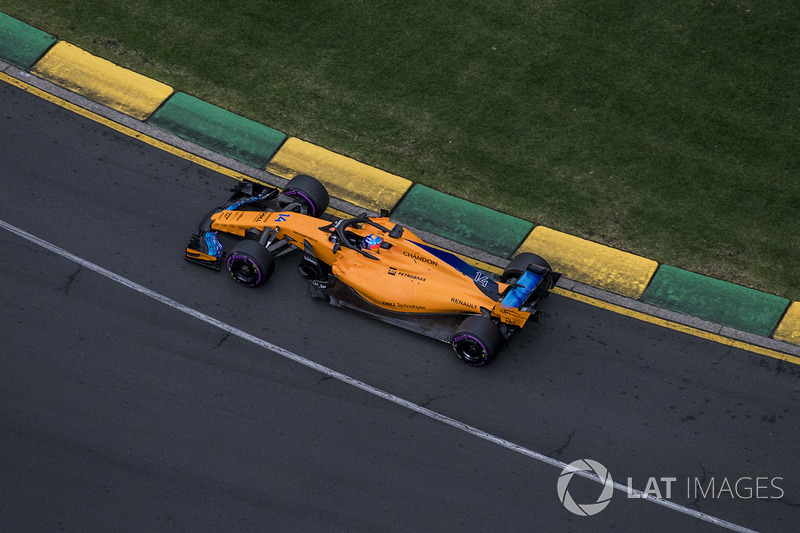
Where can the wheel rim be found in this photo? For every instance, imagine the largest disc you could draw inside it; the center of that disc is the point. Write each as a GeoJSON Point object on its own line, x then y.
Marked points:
{"type": "Point", "coordinates": [243, 269]}
{"type": "Point", "coordinates": [470, 349]}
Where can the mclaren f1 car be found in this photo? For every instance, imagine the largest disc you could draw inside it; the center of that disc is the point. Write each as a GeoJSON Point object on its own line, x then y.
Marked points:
{"type": "Point", "coordinates": [372, 265]}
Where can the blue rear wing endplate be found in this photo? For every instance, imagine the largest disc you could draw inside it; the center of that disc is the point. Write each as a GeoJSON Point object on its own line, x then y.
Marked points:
{"type": "Point", "coordinates": [526, 284]}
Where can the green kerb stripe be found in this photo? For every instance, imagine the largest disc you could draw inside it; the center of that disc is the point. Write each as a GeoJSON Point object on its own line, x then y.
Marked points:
{"type": "Point", "coordinates": [21, 44]}
{"type": "Point", "coordinates": [715, 300]}
{"type": "Point", "coordinates": [462, 221]}
{"type": "Point", "coordinates": [218, 129]}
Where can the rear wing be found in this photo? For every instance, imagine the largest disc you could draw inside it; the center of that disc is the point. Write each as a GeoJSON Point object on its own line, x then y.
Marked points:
{"type": "Point", "coordinates": [534, 284]}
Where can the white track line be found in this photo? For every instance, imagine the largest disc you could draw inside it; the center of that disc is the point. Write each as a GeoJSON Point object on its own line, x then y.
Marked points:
{"type": "Point", "coordinates": [360, 384]}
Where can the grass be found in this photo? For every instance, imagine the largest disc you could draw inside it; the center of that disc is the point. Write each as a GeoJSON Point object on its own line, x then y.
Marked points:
{"type": "Point", "coordinates": [668, 129]}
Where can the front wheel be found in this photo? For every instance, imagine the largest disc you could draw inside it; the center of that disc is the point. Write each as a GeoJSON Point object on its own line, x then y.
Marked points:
{"type": "Point", "coordinates": [477, 341]}
{"type": "Point", "coordinates": [309, 192]}
{"type": "Point", "coordinates": [250, 264]}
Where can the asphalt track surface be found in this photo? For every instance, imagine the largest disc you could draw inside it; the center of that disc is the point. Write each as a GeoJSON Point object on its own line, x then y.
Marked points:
{"type": "Point", "coordinates": [119, 413]}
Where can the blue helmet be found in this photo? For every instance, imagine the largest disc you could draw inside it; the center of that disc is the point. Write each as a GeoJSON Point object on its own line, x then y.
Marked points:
{"type": "Point", "coordinates": [371, 242]}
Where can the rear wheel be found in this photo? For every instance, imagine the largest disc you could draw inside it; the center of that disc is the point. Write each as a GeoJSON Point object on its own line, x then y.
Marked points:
{"type": "Point", "coordinates": [250, 264]}
{"type": "Point", "coordinates": [477, 341]}
{"type": "Point", "coordinates": [519, 264]}
{"type": "Point", "coordinates": [308, 192]}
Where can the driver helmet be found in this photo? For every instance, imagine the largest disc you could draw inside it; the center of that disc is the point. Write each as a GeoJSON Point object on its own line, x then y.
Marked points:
{"type": "Point", "coordinates": [371, 242]}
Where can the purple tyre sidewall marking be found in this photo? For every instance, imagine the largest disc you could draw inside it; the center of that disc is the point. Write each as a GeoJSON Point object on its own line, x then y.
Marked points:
{"type": "Point", "coordinates": [306, 198]}
{"type": "Point", "coordinates": [473, 338]}
{"type": "Point", "coordinates": [244, 258]}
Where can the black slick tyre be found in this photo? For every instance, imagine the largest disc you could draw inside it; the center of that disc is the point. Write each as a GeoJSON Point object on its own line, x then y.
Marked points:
{"type": "Point", "coordinates": [250, 264]}
{"type": "Point", "coordinates": [477, 340]}
{"type": "Point", "coordinates": [519, 263]}
{"type": "Point", "coordinates": [309, 192]}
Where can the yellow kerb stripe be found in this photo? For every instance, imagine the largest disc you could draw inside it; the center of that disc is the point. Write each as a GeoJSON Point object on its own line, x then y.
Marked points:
{"type": "Point", "coordinates": [101, 80]}
{"type": "Point", "coordinates": [345, 178]}
{"type": "Point", "coordinates": [789, 328]}
{"type": "Point", "coordinates": [591, 263]}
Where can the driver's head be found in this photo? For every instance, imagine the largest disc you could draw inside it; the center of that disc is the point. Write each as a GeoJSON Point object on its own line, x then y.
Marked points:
{"type": "Point", "coordinates": [371, 242]}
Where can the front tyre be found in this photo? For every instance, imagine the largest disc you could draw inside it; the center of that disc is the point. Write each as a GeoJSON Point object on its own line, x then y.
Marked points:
{"type": "Point", "coordinates": [309, 192]}
{"type": "Point", "coordinates": [477, 341]}
{"type": "Point", "coordinates": [250, 264]}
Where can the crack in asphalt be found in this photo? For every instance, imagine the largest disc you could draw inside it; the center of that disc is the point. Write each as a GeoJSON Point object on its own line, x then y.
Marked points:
{"type": "Point", "coordinates": [781, 367]}
{"type": "Point", "coordinates": [434, 398]}
{"type": "Point", "coordinates": [723, 356]}
{"type": "Point", "coordinates": [70, 280]}
{"type": "Point", "coordinates": [784, 501]}
{"type": "Point", "coordinates": [429, 400]}
{"type": "Point", "coordinates": [222, 340]}
{"type": "Point", "coordinates": [558, 451]}
{"type": "Point", "coordinates": [26, 247]}
{"type": "Point", "coordinates": [324, 378]}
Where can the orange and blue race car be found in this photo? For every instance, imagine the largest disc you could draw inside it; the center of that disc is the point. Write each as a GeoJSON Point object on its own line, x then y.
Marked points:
{"type": "Point", "coordinates": [372, 265]}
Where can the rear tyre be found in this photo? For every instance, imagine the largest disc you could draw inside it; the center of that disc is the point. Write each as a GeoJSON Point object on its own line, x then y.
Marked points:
{"type": "Point", "coordinates": [308, 192]}
{"type": "Point", "coordinates": [250, 264]}
{"type": "Point", "coordinates": [477, 341]}
{"type": "Point", "coordinates": [519, 264]}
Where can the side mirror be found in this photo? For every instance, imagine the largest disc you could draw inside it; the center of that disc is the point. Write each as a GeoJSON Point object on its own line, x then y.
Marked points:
{"type": "Point", "coordinates": [397, 231]}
